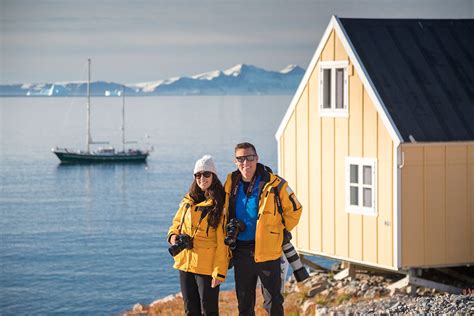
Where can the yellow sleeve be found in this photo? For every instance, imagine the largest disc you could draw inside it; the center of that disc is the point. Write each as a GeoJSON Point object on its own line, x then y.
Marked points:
{"type": "Point", "coordinates": [292, 208]}
{"type": "Point", "coordinates": [221, 258]}
{"type": "Point", "coordinates": [178, 217]}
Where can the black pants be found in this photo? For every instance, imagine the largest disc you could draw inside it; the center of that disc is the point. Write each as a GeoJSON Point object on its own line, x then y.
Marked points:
{"type": "Point", "coordinates": [246, 273]}
{"type": "Point", "coordinates": [198, 295]}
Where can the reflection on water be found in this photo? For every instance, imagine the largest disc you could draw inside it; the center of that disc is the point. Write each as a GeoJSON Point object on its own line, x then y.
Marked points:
{"type": "Point", "coordinates": [97, 178]}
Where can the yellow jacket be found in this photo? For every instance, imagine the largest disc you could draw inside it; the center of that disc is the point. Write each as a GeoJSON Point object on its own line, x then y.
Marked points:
{"type": "Point", "coordinates": [269, 231]}
{"type": "Point", "coordinates": [209, 255]}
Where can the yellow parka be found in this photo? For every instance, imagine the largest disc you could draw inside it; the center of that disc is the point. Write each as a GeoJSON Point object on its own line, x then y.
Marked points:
{"type": "Point", "coordinates": [209, 255]}
{"type": "Point", "coordinates": [269, 230]}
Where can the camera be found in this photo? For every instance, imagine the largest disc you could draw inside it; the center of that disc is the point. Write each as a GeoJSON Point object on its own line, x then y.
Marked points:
{"type": "Point", "coordinates": [183, 241]}
{"type": "Point", "coordinates": [293, 258]}
{"type": "Point", "coordinates": [233, 229]}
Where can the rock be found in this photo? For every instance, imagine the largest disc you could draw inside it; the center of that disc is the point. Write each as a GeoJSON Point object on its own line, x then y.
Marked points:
{"type": "Point", "coordinates": [308, 282]}
{"type": "Point", "coordinates": [300, 288]}
{"type": "Point", "coordinates": [306, 306]}
{"type": "Point", "coordinates": [137, 308]}
{"type": "Point", "coordinates": [394, 306]}
{"type": "Point", "coordinates": [321, 311]}
{"type": "Point", "coordinates": [315, 290]}
{"type": "Point", "coordinates": [325, 292]}
{"type": "Point", "coordinates": [165, 299]}
{"type": "Point", "coordinates": [351, 289]}
{"type": "Point", "coordinates": [394, 292]}
{"type": "Point", "coordinates": [340, 292]}
{"type": "Point", "coordinates": [314, 273]}
{"type": "Point", "coordinates": [369, 294]}
{"type": "Point", "coordinates": [367, 287]}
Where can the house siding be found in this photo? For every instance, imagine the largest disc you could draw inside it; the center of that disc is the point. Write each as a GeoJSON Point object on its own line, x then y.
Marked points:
{"type": "Point", "coordinates": [302, 169]}
{"type": "Point", "coordinates": [437, 207]}
{"type": "Point", "coordinates": [314, 149]}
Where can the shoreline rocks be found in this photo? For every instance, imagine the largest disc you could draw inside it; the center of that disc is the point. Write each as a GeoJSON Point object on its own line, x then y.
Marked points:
{"type": "Point", "coordinates": [439, 304]}
{"type": "Point", "coordinates": [321, 294]}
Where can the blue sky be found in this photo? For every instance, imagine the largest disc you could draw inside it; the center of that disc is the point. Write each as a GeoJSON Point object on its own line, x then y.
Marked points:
{"type": "Point", "coordinates": [146, 40]}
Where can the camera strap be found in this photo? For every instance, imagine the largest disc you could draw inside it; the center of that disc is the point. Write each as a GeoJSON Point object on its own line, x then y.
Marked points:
{"type": "Point", "coordinates": [203, 214]}
{"type": "Point", "coordinates": [276, 192]}
{"type": "Point", "coordinates": [249, 188]}
{"type": "Point", "coordinates": [186, 207]}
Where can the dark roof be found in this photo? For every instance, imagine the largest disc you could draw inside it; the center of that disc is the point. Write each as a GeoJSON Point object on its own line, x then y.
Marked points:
{"type": "Point", "coordinates": [423, 71]}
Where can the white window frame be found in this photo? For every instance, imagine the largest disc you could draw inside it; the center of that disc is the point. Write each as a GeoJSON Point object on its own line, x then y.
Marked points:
{"type": "Point", "coordinates": [333, 111]}
{"type": "Point", "coordinates": [360, 209]}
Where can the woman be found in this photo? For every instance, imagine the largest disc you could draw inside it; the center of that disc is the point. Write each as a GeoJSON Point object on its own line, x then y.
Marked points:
{"type": "Point", "coordinates": [201, 258]}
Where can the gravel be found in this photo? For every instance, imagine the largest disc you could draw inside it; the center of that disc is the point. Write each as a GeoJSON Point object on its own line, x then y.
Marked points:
{"type": "Point", "coordinates": [439, 304]}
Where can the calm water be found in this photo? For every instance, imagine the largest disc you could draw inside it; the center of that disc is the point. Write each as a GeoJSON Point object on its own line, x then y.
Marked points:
{"type": "Point", "coordinates": [91, 239]}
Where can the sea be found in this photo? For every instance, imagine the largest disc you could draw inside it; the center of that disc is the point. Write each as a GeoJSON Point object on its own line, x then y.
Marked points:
{"type": "Point", "coordinates": [91, 239]}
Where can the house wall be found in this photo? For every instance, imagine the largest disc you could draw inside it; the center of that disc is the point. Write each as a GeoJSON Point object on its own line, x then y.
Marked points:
{"type": "Point", "coordinates": [313, 150]}
{"type": "Point", "coordinates": [437, 204]}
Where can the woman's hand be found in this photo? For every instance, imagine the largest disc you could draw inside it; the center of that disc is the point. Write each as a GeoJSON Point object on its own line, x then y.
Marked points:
{"type": "Point", "coordinates": [215, 282]}
{"type": "Point", "coordinates": [173, 239]}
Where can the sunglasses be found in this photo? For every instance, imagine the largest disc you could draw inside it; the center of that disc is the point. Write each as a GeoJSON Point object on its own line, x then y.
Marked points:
{"type": "Point", "coordinates": [206, 174]}
{"type": "Point", "coordinates": [241, 159]}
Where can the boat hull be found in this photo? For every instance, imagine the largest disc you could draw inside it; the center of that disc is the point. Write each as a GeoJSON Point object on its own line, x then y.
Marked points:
{"type": "Point", "coordinates": [85, 158]}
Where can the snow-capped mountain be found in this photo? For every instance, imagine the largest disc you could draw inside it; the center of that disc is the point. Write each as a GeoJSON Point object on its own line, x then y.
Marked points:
{"type": "Point", "coordinates": [241, 79]}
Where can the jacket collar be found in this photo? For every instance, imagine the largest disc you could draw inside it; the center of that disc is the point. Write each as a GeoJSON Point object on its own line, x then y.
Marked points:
{"type": "Point", "coordinates": [207, 202]}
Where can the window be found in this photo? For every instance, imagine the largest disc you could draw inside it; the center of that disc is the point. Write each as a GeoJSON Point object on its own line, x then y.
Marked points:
{"type": "Point", "coordinates": [333, 88]}
{"type": "Point", "coordinates": [361, 185]}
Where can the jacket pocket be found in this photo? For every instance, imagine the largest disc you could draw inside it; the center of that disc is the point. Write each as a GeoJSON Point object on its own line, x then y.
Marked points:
{"type": "Point", "coordinates": [272, 240]}
{"type": "Point", "coordinates": [204, 259]}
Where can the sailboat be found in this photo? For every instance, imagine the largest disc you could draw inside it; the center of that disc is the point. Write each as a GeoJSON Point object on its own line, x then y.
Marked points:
{"type": "Point", "coordinates": [101, 155]}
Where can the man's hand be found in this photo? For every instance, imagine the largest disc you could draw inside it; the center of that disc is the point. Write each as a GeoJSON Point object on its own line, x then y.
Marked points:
{"type": "Point", "coordinates": [215, 282]}
{"type": "Point", "coordinates": [173, 239]}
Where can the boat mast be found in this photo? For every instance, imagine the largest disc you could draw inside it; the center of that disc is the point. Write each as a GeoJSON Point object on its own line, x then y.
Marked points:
{"type": "Point", "coordinates": [123, 118]}
{"type": "Point", "coordinates": [88, 105]}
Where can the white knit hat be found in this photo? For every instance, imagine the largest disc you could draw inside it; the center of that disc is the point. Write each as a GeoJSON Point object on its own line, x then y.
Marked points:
{"type": "Point", "coordinates": [206, 163]}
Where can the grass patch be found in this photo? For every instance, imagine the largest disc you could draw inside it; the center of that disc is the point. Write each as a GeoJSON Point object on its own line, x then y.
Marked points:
{"type": "Point", "coordinates": [321, 300]}
{"type": "Point", "coordinates": [342, 298]}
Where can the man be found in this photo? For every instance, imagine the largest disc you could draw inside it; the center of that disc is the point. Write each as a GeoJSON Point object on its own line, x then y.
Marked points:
{"type": "Point", "coordinates": [253, 196]}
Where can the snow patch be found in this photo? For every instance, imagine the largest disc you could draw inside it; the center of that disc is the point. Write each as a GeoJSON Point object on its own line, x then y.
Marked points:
{"type": "Point", "coordinates": [288, 69]}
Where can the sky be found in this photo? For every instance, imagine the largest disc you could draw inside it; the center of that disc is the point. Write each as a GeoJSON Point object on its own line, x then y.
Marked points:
{"type": "Point", "coordinates": [148, 40]}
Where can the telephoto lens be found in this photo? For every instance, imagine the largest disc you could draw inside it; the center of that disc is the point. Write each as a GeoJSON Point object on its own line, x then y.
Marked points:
{"type": "Point", "coordinates": [299, 271]}
{"type": "Point", "coordinates": [233, 229]}
{"type": "Point", "coordinates": [183, 241]}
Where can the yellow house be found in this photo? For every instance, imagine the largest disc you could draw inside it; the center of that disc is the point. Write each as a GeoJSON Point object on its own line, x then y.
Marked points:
{"type": "Point", "coordinates": [378, 144]}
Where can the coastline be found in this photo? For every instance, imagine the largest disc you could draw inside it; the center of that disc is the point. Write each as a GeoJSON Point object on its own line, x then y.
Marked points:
{"type": "Point", "coordinates": [321, 294]}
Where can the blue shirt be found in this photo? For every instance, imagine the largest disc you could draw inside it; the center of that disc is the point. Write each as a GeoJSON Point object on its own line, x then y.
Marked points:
{"type": "Point", "coordinates": [246, 210]}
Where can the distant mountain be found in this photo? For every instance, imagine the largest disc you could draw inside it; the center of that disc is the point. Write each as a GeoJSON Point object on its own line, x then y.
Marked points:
{"type": "Point", "coordinates": [241, 79]}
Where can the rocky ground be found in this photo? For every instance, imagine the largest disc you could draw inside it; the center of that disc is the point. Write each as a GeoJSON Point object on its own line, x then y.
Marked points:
{"type": "Point", "coordinates": [322, 294]}
{"type": "Point", "coordinates": [440, 304]}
